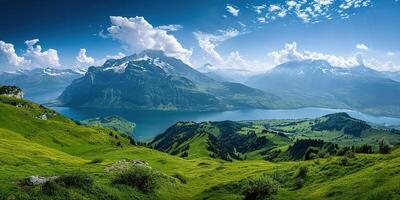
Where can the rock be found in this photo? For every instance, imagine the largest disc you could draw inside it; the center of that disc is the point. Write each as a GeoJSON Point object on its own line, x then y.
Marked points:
{"type": "Point", "coordinates": [43, 117]}
{"type": "Point", "coordinates": [11, 91]}
{"type": "Point", "coordinates": [127, 164]}
{"type": "Point", "coordinates": [39, 180]}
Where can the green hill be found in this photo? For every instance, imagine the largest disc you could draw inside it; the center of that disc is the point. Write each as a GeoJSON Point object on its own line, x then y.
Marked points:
{"type": "Point", "coordinates": [89, 163]}
{"type": "Point", "coordinates": [113, 122]}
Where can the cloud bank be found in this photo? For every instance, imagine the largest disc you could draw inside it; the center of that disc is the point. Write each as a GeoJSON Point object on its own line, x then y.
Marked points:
{"type": "Point", "coordinates": [137, 34]}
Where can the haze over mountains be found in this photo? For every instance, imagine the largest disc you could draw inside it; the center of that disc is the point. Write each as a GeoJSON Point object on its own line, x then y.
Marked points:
{"type": "Point", "coordinates": [41, 84]}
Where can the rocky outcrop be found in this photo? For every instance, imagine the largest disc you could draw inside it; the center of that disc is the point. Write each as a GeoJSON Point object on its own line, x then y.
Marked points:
{"type": "Point", "coordinates": [11, 91]}
{"type": "Point", "coordinates": [39, 180]}
{"type": "Point", "coordinates": [122, 165]}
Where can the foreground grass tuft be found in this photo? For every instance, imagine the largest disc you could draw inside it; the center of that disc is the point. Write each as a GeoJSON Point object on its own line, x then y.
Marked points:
{"type": "Point", "coordinates": [142, 178]}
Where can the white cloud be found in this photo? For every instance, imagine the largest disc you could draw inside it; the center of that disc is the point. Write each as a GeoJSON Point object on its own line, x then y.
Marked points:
{"type": "Point", "coordinates": [290, 53]}
{"type": "Point", "coordinates": [7, 49]}
{"type": "Point", "coordinates": [273, 8]}
{"type": "Point", "coordinates": [362, 46]}
{"type": "Point", "coordinates": [171, 27]}
{"type": "Point", "coordinates": [324, 2]}
{"type": "Point", "coordinates": [231, 9]}
{"type": "Point", "coordinates": [48, 58]}
{"type": "Point", "coordinates": [99, 62]}
{"type": "Point", "coordinates": [313, 11]}
{"type": "Point", "coordinates": [137, 34]}
{"type": "Point", "coordinates": [234, 61]}
{"type": "Point", "coordinates": [392, 53]}
{"type": "Point", "coordinates": [82, 60]}
{"type": "Point", "coordinates": [119, 55]}
{"type": "Point", "coordinates": [260, 8]}
{"type": "Point", "coordinates": [261, 19]}
{"type": "Point", "coordinates": [208, 42]}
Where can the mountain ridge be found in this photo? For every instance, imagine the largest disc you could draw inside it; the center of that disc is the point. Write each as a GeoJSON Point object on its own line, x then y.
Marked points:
{"type": "Point", "coordinates": [158, 82]}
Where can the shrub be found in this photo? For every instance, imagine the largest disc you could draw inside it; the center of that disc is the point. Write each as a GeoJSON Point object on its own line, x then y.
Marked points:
{"type": "Point", "coordinates": [363, 149]}
{"type": "Point", "coordinates": [298, 183]}
{"type": "Point", "coordinates": [142, 178]}
{"type": "Point", "coordinates": [343, 151]}
{"type": "Point", "coordinates": [51, 188]}
{"type": "Point", "coordinates": [259, 188]}
{"type": "Point", "coordinates": [344, 161]}
{"type": "Point", "coordinates": [384, 148]}
{"type": "Point", "coordinates": [302, 172]}
{"type": "Point", "coordinates": [77, 180]}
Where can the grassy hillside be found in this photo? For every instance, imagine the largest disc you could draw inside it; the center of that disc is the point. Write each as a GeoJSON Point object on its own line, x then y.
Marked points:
{"type": "Point", "coordinates": [260, 139]}
{"type": "Point", "coordinates": [113, 122]}
{"type": "Point", "coordinates": [82, 157]}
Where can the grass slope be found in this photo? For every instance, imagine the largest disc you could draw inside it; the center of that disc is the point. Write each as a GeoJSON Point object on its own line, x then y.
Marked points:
{"type": "Point", "coordinates": [57, 146]}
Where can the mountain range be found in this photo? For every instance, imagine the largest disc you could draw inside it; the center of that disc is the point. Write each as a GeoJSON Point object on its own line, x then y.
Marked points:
{"type": "Point", "coordinates": [151, 80]}
{"type": "Point", "coordinates": [317, 83]}
{"type": "Point", "coordinates": [41, 84]}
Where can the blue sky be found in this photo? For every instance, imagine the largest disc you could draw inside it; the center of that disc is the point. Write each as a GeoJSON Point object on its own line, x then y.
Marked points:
{"type": "Point", "coordinates": [245, 35]}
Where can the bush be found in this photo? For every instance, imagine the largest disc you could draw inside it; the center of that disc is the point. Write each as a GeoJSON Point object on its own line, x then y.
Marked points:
{"type": "Point", "coordinates": [302, 172]}
{"type": "Point", "coordinates": [298, 183]}
{"type": "Point", "coordinates": [77, 180]}
{"type": "Point", "coordinates": [365, 148]}
{"type": "Point", "coordinates": [344, 161]}
{"type": "Point", "coordinates": [384, 148]}
{"type": "Point", "coordinates": [259, 188]}
{"type": "Point", "coordinates": [142, 178]}
{"type": "Point", "coordinates": [51, 188]}
{"type": "Point", "coordinates": [343, 151]}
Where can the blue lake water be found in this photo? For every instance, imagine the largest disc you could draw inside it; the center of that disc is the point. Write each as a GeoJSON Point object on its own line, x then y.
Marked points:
{"type": "Point", "coordinates": [151, 123]}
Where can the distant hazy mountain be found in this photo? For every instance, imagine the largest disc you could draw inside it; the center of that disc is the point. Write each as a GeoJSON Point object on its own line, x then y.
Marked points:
{"type": "Point", "coordinates": [393, 75]}
{"type": "Point", "coordinates": [230, 75]}
{"type": "Point", "coordinates": [151, 80]}
{"type": "Point", "coordinates": [317, 83]}
{"type": "Point", "coordinates": [41, 84]}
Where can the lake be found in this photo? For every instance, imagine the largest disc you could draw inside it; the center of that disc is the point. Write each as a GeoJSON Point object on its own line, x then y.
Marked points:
{"type": "Point", "coordinates": [151, 123]}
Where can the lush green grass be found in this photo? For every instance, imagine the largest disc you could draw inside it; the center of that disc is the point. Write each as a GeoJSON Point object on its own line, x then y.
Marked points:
{"type": "Point", "coordinates": [58, 146]}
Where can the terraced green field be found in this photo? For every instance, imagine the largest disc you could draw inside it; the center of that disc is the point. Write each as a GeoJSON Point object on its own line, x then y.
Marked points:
{"type": "Point", "coordinates": [56, 146]}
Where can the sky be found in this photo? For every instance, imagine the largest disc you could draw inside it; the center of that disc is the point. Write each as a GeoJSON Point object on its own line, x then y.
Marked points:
{"type": "Point", "coordinates": [238, 35]}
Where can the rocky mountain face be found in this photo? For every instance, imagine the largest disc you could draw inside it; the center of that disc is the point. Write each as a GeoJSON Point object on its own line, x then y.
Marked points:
{"type": "Point", "coordinates": [11, 91]}
{"type": "Point", "coordinates": [41, 84]}
{"type": "Point", "coordinates": [317, 83]}
{"type": "Point", "coordinates": [151, 80]}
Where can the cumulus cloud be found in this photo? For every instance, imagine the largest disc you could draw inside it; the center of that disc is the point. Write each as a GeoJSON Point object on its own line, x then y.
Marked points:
{"type": "Point", "coordinates": [82, 60]}
{"type": "Point", "coordinates": [231, 9]}
{"type": "Point", "coordinates": [234, 61]}
{"type": "Point", "coordinates": [137, 34]}
{"type": "Point", "coordinates": [208, 42]}
{"type": "Point", "coordinates": [7, 49]}
{"type": "Point", "coordinates": [362, 46]}
{"type": "Point", "coordinates": [48, 58]}
{"type": "Point", "coordinates": [171, 27]}
{"type": "Point", "coordinates": [291, 53]}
